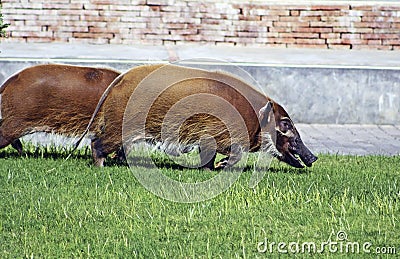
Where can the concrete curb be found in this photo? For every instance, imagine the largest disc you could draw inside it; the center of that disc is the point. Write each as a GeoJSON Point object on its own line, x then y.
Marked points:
{"type": "Point", "coordinates": [335, 87]}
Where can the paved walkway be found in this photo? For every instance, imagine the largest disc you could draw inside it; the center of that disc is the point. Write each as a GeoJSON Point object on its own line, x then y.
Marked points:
{"type": "Point", "coordinates": [351, 139]}
{"type": "Point", "coordinates": [258, 56]}
{"type": "Point", "coordinates": [332, 138]}
{"type": "Point", "coordinates": [319, 138]}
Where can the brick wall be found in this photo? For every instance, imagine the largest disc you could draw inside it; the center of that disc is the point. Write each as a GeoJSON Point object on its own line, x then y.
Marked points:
{"type": "Point", "coordinates": [323, 24]}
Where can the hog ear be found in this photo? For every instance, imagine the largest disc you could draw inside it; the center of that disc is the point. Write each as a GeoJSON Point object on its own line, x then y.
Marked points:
{"type": "Point", "coordinates": [263, 114]}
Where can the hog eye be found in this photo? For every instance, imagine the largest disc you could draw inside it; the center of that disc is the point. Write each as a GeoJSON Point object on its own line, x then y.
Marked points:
{"type": "Point", "coordinates": [285, 125]}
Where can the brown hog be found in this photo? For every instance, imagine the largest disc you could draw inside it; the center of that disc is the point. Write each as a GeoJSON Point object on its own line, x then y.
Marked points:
{"type": "Point", "coordinates": [50, 98]}
{"type": "Point", "coordinates": [203, 103]}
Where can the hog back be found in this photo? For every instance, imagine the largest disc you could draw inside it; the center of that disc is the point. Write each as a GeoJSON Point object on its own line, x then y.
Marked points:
{"type": "Point", "coordinates": [52, 98]}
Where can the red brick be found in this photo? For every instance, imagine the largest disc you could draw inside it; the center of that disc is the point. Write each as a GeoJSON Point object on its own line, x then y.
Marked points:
{"type": "Point", "coordinates": [330, 35]}
{"type": "Point", "coordinates": [160, 2]}
{"type": "Point", "coordinates": [285, 40]}
{"type": "Point", "coordinates": [249, 18]}
{"type": "Point", "coordinates": [279, 7]}
{"type": "Point", "coordinates": [325, 24]}
{"type": "Point", "coordinates": [185, 26]}
{"type": "Point", "coordinates": [127, 8]}
{"type": "Point", "coordinates": [278, 13]}
{"type": "Point", "coordinates": [310, 18]}
{"type": "Point", "coordinates": [374, 42]}
{"type": "Point", "coordinates": [299, 35]}
{"type": "Point", "coordinates": [322, 13]}
{"type": "Point", "coordinates": [371, 25]}
{"type": "Point", "coordinates": [215, 16]}
{"type": "Point", "coordinates": [20, 17]}
{"type": "Point", "coordinates": [102, 2]}
{"type": "Point", "coordinates": [310, 41]}
{"type": "Point", "coordinates": [30, 28]}
{"type": "Point", "coordinates": [74, 29]}
{"type": "Point", "coordinates": [350, 36]}
{"type": "Point", "coordinates": [354, 41]}
{"type": "Point", "coordinates": [212, 38]}
{"type": "Point", "coordinates": [184, 31]}
{"type": "Point", "coordinates": [313, 30]}
{"type": "Point", "coordinates": [309, 46]}
{"type": "Point", "coordinates": [380, 19]}
{"type": "Point", "coordinates": [389, 8]}
{"type": "Point", "coordinates": [39, 39]}
{"type": "Point", "coordinates": [391, 42]}
{"type": "Point", "coordinates": [386, 30]}
{"type": "Point", "coordinates": [83, 35]}
{"type": "Point", "coordinates": [375, 36]}
{"type": "Point", "coordinates": [371, 14]}
{"type": "Point", "coordinates": [174, 8]}
{"type": "Point", "coordinates": [352, 30]}
{"type": "Point", "coordinates": [334, 41]}
{"type": "Point", "coordinates": [355, 13]}
{"type": "Point", "coordinates": [338, 46]}
{"type": "Point", "coordinates": [297, 7]}
{"type": "Point", "coordinates": [289, 19]}
{"type": "Point", "coordinates": [280, 29]}
{"type": "Point", "coordinates": [362, 7]}
{"type": "Point", "coordinates": [373, 47]}
{"type": "Point", "coordinates": [180, 20]}
{"type": "Point", "coordinates": [242, 40]}
{"type": "Point", "coordinates": [265, 40]}
{"type": "Point", "coordinates": [11, 39]}
{"type": "Point", "coordinates": [258, 12]}
{"type": "Point", "coordinates": [36, 34]}
{"type": "Point", "coordinates": [193, 37]}
{"type": "Point", "coordinates": [330, 7]}
{"type": "Point", "coordinates": [291, 24]}
{"type": "Point", "coordinates": [269, 18]}
{"type": "Point", "coordinates": [248, 34]}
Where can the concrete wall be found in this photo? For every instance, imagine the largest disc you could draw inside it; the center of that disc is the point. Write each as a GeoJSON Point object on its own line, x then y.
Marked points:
{"type": "Point", "coordinates": [310, 95]}
{"type": "Point", "coordinates": [311, 24]}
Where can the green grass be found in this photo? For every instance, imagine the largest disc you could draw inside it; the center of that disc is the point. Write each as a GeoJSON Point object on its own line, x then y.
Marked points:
{"type": "Point", "coordinates": [57, 207]}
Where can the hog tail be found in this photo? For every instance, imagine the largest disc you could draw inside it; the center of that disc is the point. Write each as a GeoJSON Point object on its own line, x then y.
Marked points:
{"type": "Point", "coordinates": [96, 111]}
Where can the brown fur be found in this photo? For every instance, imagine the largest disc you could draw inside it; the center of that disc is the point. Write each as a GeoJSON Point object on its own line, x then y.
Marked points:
{"type": "Point", "coordinates": [51, 98]}
{"type": "Point", "coordinates": [245, 99]}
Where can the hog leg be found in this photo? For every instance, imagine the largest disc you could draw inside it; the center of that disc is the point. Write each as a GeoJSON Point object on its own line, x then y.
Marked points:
{"type": "Point", "coordinates": [207, 159]}
{"type": "Point", "coordinates": [17, 145]}
{"type": "Point", "coordinates": [121, 154]}
{"type": "Point", "coordinates": [14, 143]}
{"type": "Point", "coordinates": [208, 153]}
{"type": "Point", "coordinates": [97, 152]}
{"type": "Point", "coordinates": [4, 141]}
{"type": "Point", "coordinates": [234, 156]}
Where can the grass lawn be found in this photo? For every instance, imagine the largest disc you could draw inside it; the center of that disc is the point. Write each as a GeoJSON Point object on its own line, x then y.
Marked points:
{"type": "Point", "coordinates": [53, 207]}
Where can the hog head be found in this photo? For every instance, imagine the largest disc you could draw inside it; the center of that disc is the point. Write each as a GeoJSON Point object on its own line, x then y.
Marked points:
{"type": "Point", "coordinates": [288, 141]}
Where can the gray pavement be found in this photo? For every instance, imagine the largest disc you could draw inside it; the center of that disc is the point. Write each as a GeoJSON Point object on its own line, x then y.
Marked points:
{"type": "Point", "coordinates": [350, 139]}
{"type": "Point", "coordinates": [333, 138]}
{"type": "Point", "coordinates": [257, 56]}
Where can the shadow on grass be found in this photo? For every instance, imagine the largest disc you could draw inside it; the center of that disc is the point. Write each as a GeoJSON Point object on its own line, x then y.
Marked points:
{"type": "Point", "coordinates": [165, 163]}
{"type": "Point", "coordinates": [154, 161]}
{"type": "Point", "coordinates": [47, 152]}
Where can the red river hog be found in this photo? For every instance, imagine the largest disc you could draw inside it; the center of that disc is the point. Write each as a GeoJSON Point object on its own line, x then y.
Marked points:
{"type": "Point", "coordinates": [175, 106]}
{"type": "Point", "coordinates": [50, 98]}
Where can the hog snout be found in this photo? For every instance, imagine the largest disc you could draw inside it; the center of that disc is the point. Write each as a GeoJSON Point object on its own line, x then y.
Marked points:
{"type": "Point", "coordinates": [295, 153]}
{"type": "Point", "coordinates": [306, 156]}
